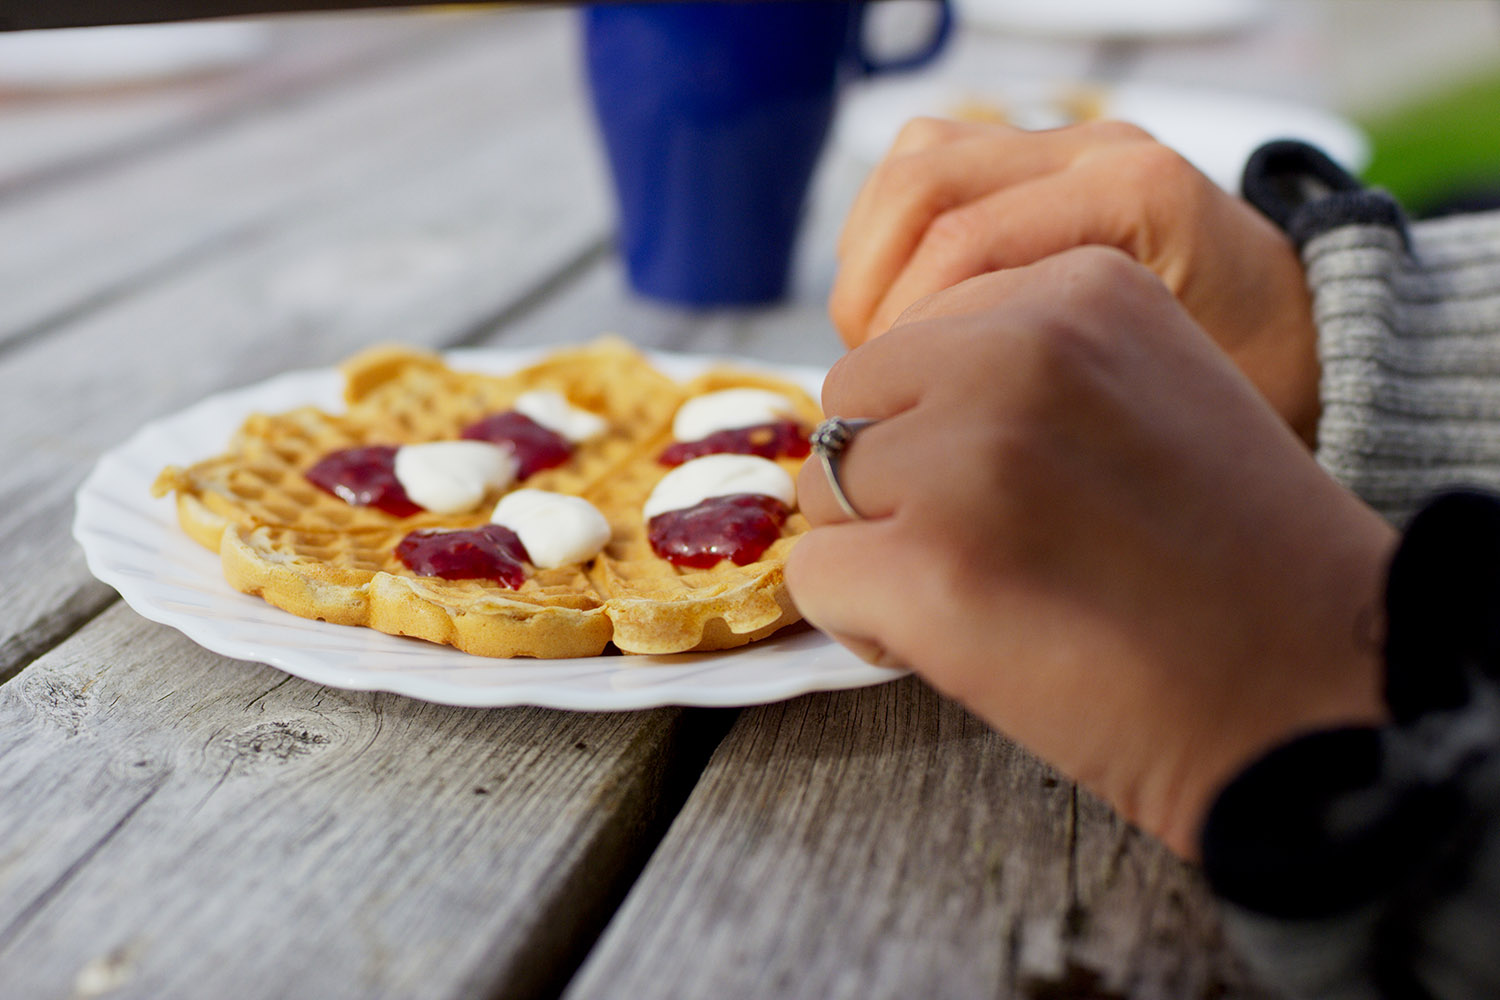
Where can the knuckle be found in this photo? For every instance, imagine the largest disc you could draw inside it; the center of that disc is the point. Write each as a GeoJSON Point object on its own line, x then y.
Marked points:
{"type": "Point", "coordinates": [910, 182]}
{"type": "Point", "coordinates": [1089, 279]}
{"type": "Point", "coordinates": [847, 311]}
{"type": "Point", "coordinates": [1115, 131]}
{"type": "Point", "coordinates": [925, 132]}
{"type": "Point", "coordinates": [919, 310]}
{"type": "Point", "coordinates": [955, 234]}
{"type": "Point", "coordinates": [838, 383]}
{"type": "Point", "coordinates": [1158, 170]}
{"type": "Point", "coordinates": [1097, 270]}
{"type": "Point", "coordinates": [1058, 349]}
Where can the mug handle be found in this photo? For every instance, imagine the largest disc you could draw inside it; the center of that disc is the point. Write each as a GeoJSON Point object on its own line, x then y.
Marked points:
{"type": "Point", "coordinates": [870, 66]}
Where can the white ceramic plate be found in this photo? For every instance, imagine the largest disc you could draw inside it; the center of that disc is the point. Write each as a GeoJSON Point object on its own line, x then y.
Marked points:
{"type": "Point", "coordinates": [1216, 130]}
{"type": "Point", "coordinates": [132, 542]}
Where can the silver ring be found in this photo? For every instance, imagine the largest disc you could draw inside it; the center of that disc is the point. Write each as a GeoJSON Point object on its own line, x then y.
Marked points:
{"type": "Point", "coordinates": [829, 441]}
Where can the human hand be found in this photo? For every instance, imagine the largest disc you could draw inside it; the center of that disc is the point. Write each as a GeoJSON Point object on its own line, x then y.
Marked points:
{"type": "Point", "coordinates": [954, 200]}
{"type": "Point", "coordinates": [1084, 524]}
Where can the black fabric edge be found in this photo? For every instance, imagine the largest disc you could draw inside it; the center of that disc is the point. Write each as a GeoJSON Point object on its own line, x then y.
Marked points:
{"type": "Point", "coordinates": [1270, 846]}
{"type": "Point", "coordinates": [1305, 193]}
{"type": "Point", "coordinates": [1323, 824]}
{"type": "Point", "coordinates": [1442, 603]}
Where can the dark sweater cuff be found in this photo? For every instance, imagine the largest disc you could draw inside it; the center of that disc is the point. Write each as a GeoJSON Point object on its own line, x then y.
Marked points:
{"type": "Point", "coordinates": [1341, 819]}
{"type": "Point", "coordinates": [1315, 828]}
{"type": "Point", "coordinates": [1306, 194]}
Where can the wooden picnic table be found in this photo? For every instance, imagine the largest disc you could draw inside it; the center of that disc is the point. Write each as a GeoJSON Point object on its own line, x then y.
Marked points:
{"type": "Point", "coordinates": [175, 823]}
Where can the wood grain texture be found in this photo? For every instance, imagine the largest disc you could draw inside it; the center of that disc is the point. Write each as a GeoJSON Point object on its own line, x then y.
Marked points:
{"type": "Point", "coordinates": [496, 106]}
{"type": "Point", "coordinates": [181, 825]}
{"type": "Point", "coordinates": [383, 211]}
{"type": "Point", "coordinates": [175, 824]}
{"type": "Point", "coordinates": [884, 843]}
{"type": "Point", "coordinates": [50, 134]}
{"type": "Point", "coordinates": [794, 331]}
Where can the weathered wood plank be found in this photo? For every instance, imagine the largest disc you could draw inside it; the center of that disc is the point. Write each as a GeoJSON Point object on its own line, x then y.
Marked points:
{"type": "Point", "coordinates": [77, 246]}
{"type": "Point", "coordinates": [796, 331]}
{"type": "Point", "coordinates": [181, 825]}
{"type": "Point", "coordinates": [884, 843]}
{"type": "Point", "coordinates": [48, 135]}
{"type": "Point", "coordinates": [445, 229]}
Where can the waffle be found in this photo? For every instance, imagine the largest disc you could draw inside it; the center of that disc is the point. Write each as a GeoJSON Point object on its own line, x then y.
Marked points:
{"type": "Point", "coordinates": [314, 555]}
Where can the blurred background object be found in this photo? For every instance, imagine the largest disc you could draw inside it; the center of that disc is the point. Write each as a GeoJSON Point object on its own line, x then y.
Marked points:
{"type": "Point", "coordinates": [74, 58]}
{"type": "Point", "coordinates": [713, 116]}
{"type": "Point", "coordinates": [1403, 91]}
{"type": "Point", "coordinates": [1423, 80]}
{"type": "Point", "coordinates": [1111, 18]}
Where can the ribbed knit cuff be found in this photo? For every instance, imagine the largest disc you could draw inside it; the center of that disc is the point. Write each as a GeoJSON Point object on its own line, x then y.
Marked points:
{"type": "Point", "coordinates": [1316, 828]}
{"type": "Point", "coordinates": [1365, 862]}
{"type": "Point", "coordinates": [1408, 318]}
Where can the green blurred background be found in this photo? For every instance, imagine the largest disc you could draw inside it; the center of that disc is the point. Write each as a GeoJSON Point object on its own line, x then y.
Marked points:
{"type": "Point", "coordinates": [1440, 150]}
{"type": "Point", "coordinates": [1422, 77]}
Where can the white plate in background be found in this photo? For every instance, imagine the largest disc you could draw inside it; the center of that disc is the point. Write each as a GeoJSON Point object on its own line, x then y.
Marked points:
{"type": "Point", "coordinates": [1137, 19]}
{"type": "Point", "coordinates": [1216, 130]}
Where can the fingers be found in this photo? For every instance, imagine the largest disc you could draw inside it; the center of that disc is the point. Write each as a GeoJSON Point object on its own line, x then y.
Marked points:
{"type": "Point", "coordinates": [890, 374]}
{"type": "Point", "coordinates": [868, 650]}
{"type": "Point", "coordinates": [909, 190]}
{"type": "Point", "coordinates": [993, 340]}
{"type": "Point", "coordinates": [923, 196]}
{"type": "Point", "coordinates": [865, 472]}
{"type": "Point", "coordinates": [841, 579]}
{"type": "Point", "coordinates": [870, 382]}
{"type": "Point", "coordinates": [916, 137]}
{"type": "Point", "coordinates": [933, 167]}
{"type": "Point", "coordinates": [887, 380]}
{"type": "Point", "coordinates": [1009, 228]}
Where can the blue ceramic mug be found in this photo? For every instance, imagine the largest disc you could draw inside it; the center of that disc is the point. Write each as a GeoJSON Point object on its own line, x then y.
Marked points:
{"type": "Point", "coordinates": [713, 114]}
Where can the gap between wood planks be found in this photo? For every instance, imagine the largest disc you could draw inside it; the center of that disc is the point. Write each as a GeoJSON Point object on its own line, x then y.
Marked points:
{"type": "Point", "coordinates": [573, 935]}
{"type": "Point", "coordinates": [634, 816]}
{"type": "Point", "coordinates": [277, 85]}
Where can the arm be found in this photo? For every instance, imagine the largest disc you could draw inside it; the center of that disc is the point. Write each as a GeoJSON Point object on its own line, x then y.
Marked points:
{"type": "Point", "coordinates": [1355, 838]}
{"type": "Point", "coordinates": [1407, 319]}
{"type": "Point", "coordinates": [1365, 862]}
{"type": "Point", "coordinates": [1140, 574]}
{"type": "Point", "coordinates": [1134, 563]}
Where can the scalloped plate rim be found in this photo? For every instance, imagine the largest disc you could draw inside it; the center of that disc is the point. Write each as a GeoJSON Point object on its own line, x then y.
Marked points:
{"type": "Point", "coordinates": [132, 543]}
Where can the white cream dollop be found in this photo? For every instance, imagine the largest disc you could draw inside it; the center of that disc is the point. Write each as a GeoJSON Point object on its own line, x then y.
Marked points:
{"type": "Point", "coordinates": [553, 411]}
{"type": "Point", "coordinates": [557, 529]}
{"type": "Point", "coordinates": [449, 477]}
{"type": "Point", "coordinates": [693, 482]}
{"type": "Point", "coordinates": [727, 409]}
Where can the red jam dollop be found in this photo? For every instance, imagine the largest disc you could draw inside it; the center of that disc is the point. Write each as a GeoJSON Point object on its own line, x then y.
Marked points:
{"type": "Point", "coordinates": [364, 477]}
{"type": "Point", "coordinates": [536, 447]}
{"type": "Point", "coordinates": [783, 439]}
{"type": "Point", "coordinates": [489, 552]}
{"type": "Point", "coordinates": [739, 527]}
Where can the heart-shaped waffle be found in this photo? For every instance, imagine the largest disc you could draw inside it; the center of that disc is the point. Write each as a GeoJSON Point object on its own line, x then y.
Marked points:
{"type": "Point", "coordinates": [312, 554]}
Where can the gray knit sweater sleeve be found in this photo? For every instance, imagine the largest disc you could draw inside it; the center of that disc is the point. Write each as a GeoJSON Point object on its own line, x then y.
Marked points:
{"type": "Point", "coordinates": [1364, 863]}
{"type": "Point", "coordinates": [1408, 318]}
{"type": "Point", "coordinates": [1409, 336]}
